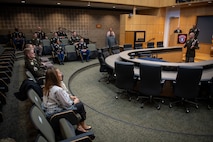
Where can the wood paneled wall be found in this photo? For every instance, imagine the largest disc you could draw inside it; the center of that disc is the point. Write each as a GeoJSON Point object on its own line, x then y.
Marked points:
{"type": "Point", "coordinates": [153, 25]}
{"type": "Point", "coordinates": [188, 17]}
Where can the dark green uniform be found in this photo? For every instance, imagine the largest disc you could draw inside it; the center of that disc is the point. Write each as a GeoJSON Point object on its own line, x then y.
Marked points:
{"type": "Point", "coordinates": [34, 66]}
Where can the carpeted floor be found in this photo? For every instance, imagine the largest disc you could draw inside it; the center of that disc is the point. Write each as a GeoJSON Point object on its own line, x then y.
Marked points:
{"type": "Point", "coordinates": [112, 120]}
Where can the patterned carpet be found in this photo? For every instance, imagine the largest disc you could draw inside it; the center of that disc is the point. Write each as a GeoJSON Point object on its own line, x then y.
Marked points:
{"type": "Point", "coordinates": [112, 120]}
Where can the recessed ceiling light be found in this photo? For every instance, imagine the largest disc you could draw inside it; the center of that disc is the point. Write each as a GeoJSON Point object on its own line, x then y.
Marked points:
{"type": "Point", "coordinates": [88, 4]}
{"type": "Point", "coordinates": [58, 3]}
{"type": "Point", "coordinates": [23, 1]}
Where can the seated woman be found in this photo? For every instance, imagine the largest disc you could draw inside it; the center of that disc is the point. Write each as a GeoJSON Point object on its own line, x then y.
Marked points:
{"type": "Point", "coordinates": [59, 51]}
{"type": "Point", "coordinates": [57, 99]}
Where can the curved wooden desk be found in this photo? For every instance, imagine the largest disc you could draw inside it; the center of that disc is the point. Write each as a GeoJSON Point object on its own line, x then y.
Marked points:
{"type": "Point", "coordinates": [169, 71]}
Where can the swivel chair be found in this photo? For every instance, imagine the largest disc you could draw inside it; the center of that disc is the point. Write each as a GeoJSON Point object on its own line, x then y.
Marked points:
{"type": "Point", "coordinates": [67, 132]}
{"type": "Point", "coordinates": [150, 45]}
{"type": "Point", "coordinates": [125, 78]}
{"type": "Point", "coordinates": [115, 49]}
{"type": "Point", "coordinates": [104, 68]}
{"type": "Point", "coordinates": [160, 44]}
{"type": "Point", "coordinates": [138, 45]}
{"type": "Point", "coordinates": [150, 84]}
{"type": "Point", "coordinates": [105, 52]}
{"type": "Point", "coordinates": [127, 47]}
{"type": "Point", "coordinates": [186, 86]}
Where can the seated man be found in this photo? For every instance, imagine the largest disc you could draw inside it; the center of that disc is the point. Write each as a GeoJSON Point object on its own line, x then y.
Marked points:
{"type": "Point", "coordinates": [61, 33]}
{"type": "Point", "coordinates": [41, 34]}
{"type": "Point", "coordinates": [18, 39]}
{"type": "Point", "coordinates": [59, 51]}
{"type": "Point", "coordinates": [33, 64]}
{"type": "Point", "coordinates": [82, 50]}
{"type": "Point", "coordinates": [36, 42]}
{"type": "Point", "coordinates": [74, 39]}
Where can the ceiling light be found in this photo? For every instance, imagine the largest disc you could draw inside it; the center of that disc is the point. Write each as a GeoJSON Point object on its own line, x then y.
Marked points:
{"type": "Point", "coordinates": [58, 3]}
{"type": "Point", "coordinates": [23, 1]}
{"type": "Point", "coordinates": [113, 6]}
{"type": "Point", "coordinates": [88, 4]}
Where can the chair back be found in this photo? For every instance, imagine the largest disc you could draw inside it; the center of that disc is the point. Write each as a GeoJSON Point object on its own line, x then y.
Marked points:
{"type": "Point", "coordinates": [42, 124]}
{"type": "Point", "coordinates": [187, 82]}
{"type": "Point", "coordinates": [30, 75]}
{"type": "Point", "coordinates": [138, 45]}
{"type": "Point", "coordinates": [124, 75]}
{"type": "Point", "coordinates": [102, 62]}
{"type": "Point", "coordinates": [150, 45]}
{"type": "Point", "coordinates": [34, 97]}
{"type": "Point", "coordinates": [160, 44]}
{"type": "Point", "coordinates": [45, 42]}
{"type": "Point", "coordinates": [69, 48]}
{"type": "Point", "coordinates": [127, 47]}
{"type": "Point", "coordinates": [105, 52]}
{"type": "Point", "coordinates": [91, 47]}
{"type": "Point", "coordinates": [150, 79]}
{"type": "Point", "coordinates": [115, 49]}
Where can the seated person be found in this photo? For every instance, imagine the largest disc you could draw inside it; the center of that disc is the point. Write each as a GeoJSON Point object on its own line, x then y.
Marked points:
{"type": "Point", "coordinates": [82, 50]}
{"type": "Point", "coordinates": [41, 34]}
{"type": "Point", "coordinates": [18, 39]}
{"type": "Point", "coordinates": [56, 99]}
{"type": "Point", "coordinates": [61, 33]}
{"type": "Point", "coordinates": [74, 39]}
{"type": "Point", "coordinates": [36, 42]}
{"type": "Point", "coordinates": [33, 64]}
{"type": "Point", "coordinates": [59, 51]}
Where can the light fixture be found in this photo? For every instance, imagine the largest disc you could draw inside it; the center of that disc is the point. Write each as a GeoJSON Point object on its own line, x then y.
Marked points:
{"type": "Point", "coordinates": [88, 4]}
{"type": "Point", "coordinates": [113, 6]}
{"type": "Point", "coordinates": [23, 1]}
{"type": "Point", "coordinates": [58, 3]}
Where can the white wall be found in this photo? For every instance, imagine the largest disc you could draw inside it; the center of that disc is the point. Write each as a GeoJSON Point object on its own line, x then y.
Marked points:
{"type": "Point", "coordinates": [170, 12]}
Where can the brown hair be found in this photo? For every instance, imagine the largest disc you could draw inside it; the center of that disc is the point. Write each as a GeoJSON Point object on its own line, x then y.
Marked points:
{"type": "Point", "coordinates": [51, 79]}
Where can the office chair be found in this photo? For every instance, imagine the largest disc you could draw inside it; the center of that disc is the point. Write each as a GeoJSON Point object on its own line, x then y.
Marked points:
{"type": "Point", "coordinates": [186, 86]}
{"type": "Point", "coordinates": [104, 68]}
{"type": "Point", "coordinates": [115, 49]}
{"type": "Point", "coordinates": [127, 47]}
{"type": "Point", "coordinates": [67, 131]}
{"type": "Point", "coordinates": [150, 45]}
{"type": "Point", "coordinates": [70, 53]}
{"type": "Point", "coordinates": [210, 97]}
{"type": "Point", "coordinates": [150, 84]}
{"type": "Point", "coordinates": [125, 78]}
{"type": "Point", "coordinates": [160, 44]}
{"type": "Point", "coordinates": [138, 45]}
{"type": "Point", "coordinates": [105, 52]}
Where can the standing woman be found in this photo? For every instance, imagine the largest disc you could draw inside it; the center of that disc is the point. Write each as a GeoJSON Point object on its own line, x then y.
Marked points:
{"type": "Point", "coordinates": [56, 99]}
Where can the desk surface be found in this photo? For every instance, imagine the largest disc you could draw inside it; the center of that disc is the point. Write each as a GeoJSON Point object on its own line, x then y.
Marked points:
{"type": "Point", "coordinates": [167, 75]}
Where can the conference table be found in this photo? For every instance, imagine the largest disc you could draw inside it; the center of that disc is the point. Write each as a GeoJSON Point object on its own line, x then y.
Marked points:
{"type": "Point", "coordinates": [169, 69]}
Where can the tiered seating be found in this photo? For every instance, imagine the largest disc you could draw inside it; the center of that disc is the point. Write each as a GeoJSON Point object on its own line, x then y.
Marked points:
{"type": "Point", "coordinates": [7, 58]}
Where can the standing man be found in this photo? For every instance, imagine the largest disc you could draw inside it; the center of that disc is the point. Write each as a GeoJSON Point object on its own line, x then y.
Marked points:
{"type": "Point", "coordinates": [191, 44]}
{"type": "Point", "coordinates": [111, 41]}
{"type": "Point", "coordinates": [110, 31]}
{"type": "Point", "coordinates": [195, 30]}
